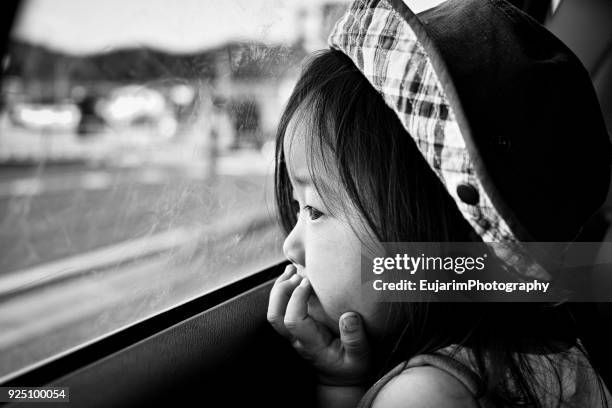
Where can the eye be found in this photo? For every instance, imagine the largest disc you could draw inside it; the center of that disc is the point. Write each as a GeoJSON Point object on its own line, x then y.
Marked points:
{"type": "Point", "coordinates": [313, 212]}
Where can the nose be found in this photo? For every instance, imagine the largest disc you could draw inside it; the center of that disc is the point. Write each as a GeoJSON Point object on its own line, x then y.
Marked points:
{"type": "Point", "coordinates": [293, 247]}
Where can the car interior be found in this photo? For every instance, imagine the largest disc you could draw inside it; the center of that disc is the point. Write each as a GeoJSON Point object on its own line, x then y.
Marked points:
{"type": "Point", "coordinates": [219, 349]}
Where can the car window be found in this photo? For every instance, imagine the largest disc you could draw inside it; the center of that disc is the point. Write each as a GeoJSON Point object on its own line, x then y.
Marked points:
{"type": "Point", "coordinates": [136, 158]}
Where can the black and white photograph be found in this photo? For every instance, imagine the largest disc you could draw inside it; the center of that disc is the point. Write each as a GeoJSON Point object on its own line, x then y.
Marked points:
{"type": "Point", "coordinates": [306, 203]}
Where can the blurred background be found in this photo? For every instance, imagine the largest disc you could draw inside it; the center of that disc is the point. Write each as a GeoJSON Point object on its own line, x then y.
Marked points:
{"type": "Point", "coordinates": [136, 158]}
{"type": "Point", "coordinates": [104, 102]}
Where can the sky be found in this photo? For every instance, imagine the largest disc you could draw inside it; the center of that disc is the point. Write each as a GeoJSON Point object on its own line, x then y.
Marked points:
{"type": "Point", "coordinates": [88, 26]}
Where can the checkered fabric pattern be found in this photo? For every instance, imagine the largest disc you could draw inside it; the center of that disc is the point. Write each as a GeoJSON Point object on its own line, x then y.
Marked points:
{"type": "Point", "coordinates": [386, 50]}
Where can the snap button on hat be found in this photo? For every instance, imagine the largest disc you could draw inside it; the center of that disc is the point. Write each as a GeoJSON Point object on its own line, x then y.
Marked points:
{"type": "Point", "coordinates": [468, 194]}
{"type": "Point", "coordinates": [484, 224]}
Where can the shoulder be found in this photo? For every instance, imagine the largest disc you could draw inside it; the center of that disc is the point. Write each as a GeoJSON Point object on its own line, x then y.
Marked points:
{"type": "Point", "coordinates": [423, 387]}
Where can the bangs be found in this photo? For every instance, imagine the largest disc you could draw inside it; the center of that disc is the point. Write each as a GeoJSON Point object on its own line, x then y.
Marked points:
{"type": "Point", "coordinates": [323, 106]}
{"type": "Point", "coordinates": [311, 128]}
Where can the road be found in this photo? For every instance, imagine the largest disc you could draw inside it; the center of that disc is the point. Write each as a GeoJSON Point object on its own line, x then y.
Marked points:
{"type": "Point", "coordinates": [52, 212]}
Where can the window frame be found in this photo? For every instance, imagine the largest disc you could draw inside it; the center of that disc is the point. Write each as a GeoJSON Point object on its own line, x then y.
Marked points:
{"type": "Point", "coordinates": [81, 356]}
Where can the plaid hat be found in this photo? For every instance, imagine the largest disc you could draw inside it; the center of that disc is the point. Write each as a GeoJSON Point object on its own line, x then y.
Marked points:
{"type": "Point", "coordinates": [503, 112]}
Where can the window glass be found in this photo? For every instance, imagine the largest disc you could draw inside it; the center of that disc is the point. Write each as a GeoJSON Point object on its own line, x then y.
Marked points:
{"type": "Point", "coordinates": [136, 158]}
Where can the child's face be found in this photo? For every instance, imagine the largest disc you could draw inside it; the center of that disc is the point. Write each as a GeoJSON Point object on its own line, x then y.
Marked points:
{"type": "Point", "coordinates": [324, 247]}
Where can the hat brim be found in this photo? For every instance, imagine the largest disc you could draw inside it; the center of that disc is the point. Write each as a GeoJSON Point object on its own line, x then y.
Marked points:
{"type": "Point", "coordinates": [446, 81]}
{"type": "Point", "coordinates": [390, 45]}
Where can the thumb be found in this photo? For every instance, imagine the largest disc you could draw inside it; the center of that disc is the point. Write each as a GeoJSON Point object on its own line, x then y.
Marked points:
{"type": "Point", "coordinates": [353, 336]}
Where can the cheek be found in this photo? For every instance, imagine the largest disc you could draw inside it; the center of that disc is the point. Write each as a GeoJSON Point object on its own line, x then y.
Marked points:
{"type": "Point", "coordinates": [333, 267]}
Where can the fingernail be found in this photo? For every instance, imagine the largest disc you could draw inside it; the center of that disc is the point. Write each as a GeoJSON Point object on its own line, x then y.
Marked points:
{"type": "Point", "coordinates": [350, 323]}
{"type": "Point", "coordinates": [304, 283]}
{"type": "Point", "coordinates": [294, 278]}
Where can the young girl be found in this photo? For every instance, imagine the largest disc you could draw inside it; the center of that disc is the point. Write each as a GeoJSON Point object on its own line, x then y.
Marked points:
{"type": "Point", "coordinates": [378, 144]}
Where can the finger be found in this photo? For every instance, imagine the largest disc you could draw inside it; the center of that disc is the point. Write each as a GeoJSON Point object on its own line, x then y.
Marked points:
{"type": "Point", "coordinates": [277, 303]}
{"type": "Point", "coordinates": [281, 284]}
{"type": "Point", "coordinates": [279, 296]}
{"type": "Point", "coordinates": [310, 335]}
{"type": "Point", "coordinates": [353, 336]}
{"type": "Point", "coordinates": [289, 271]}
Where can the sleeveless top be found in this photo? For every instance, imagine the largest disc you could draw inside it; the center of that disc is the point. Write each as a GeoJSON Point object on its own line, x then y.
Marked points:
{"type": "Point", "coordinates": [580, 385]}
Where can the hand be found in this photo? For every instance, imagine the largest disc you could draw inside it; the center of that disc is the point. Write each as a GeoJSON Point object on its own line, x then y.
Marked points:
{"type": "Point", "coordinates": [344, 361]}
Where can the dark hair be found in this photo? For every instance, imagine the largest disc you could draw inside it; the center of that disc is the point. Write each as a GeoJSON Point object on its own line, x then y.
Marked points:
{"type": "Point", "coordinates": [355, 137]}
